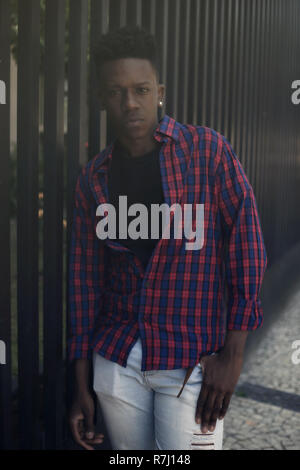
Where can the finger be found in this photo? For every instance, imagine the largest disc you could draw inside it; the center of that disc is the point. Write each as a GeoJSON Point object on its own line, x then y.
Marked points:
{"type": "Point", "coordinates": [81, 426]}
{"type": "Point", "coordinates": [93, 442]}
{"type": "Point", "coordinates": [75, 425]}
{"type": "Point", "coordinates": [215, 412]}
{"type": "Point", "coordinates": [225, 405]}
{"type": "Point", "coordinates": [200, 402]}
{"type": "Point", "coordinates": [98, 438]}
{"type": "Point", "coordinates": [89, 425]}
{"type": "Point", "coordinates": [85, 445]}
{"type": "Point", "coordinates": [207, 410]}
{"type": "Point", "coordinates": [76, 434]}
{"type": "Point", "coordinates": [202, 362]}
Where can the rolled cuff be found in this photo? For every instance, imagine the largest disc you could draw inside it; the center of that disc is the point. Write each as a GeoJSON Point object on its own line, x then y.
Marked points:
{"type": "Point", "coordinates": [244, 314]}
{"type": "Point", "coordinates": [79, 347]}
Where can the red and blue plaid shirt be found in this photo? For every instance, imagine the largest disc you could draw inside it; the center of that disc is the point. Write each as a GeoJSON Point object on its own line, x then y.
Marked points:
{"type": "Point", "coordinates": [176, 304]}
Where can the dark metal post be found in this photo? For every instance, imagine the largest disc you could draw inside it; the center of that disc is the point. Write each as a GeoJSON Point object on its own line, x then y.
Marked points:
{"type": "Point", "coordinates": [53, 221]}
{"type": "Point", "coordinates": [97, 119]}
{"type": "Point", "coordinates": [27, 233]}
{"type": "Point", "coordinates": [5, 328]}
{"type": "Point", "coordinates": [77, 100]}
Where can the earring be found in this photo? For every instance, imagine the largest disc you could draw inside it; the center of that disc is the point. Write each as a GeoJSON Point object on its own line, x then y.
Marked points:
{"type": "Point", "coordinates": [161, 103]}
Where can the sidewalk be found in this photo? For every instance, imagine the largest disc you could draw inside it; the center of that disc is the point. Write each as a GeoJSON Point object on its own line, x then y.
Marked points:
{"type": "Point", "coordinates": [264, 413]}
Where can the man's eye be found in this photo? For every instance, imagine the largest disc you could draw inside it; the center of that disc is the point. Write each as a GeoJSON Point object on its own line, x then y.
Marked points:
{"type": "Point", "coordinates": [143, 90]}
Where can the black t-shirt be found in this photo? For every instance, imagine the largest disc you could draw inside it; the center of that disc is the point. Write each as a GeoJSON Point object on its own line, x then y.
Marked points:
{"type": "Point", "coordinates": [139, 179]}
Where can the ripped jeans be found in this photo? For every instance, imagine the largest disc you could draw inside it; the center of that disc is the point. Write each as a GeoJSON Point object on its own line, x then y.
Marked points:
{"type": "Point", "coordinates": [141, 409]}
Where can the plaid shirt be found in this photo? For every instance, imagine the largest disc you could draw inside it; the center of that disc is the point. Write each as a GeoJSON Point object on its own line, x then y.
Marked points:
{"type": "Point", "coordinates": [176, 304]}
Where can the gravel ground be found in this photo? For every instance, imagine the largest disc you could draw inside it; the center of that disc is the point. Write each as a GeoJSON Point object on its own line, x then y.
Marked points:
{"type": "Point", "coordinates": [264, 413]}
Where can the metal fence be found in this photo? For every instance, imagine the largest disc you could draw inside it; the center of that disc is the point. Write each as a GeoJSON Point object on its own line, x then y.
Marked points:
{"type": "Point", "coordinates": [227, 64]}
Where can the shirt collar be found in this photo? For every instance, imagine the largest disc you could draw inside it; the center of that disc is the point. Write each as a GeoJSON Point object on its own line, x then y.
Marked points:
{"type": "Point", "coordinates": [169, 127]}
{"type": "Point", "coordinates": [166, 127]}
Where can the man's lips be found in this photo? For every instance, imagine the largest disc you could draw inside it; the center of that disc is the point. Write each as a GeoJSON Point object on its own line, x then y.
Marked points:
{"type": "Point", "coordinates": [133, 121]}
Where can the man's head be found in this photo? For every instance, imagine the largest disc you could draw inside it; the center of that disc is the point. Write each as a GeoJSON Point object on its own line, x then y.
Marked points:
{"type": "Point", "coordinates": [129, 89]}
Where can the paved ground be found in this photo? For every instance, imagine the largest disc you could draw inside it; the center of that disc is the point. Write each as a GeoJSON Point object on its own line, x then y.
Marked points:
{"type": "Point", "coordinates": [264, 413]}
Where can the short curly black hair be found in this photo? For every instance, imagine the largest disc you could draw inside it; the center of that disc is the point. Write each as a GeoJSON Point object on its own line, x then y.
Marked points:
{"type": "Point", "coordinates": [125, 42]}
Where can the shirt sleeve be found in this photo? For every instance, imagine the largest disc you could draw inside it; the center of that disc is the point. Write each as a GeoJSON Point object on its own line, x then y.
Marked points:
{"type": "Point", "coordinates": [245, 258]}
{"type": "Point", "coordinates": [86, 274]}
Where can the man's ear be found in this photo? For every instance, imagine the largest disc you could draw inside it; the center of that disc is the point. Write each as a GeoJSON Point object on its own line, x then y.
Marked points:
{"type": "Point", "coordinates": [161, 91]}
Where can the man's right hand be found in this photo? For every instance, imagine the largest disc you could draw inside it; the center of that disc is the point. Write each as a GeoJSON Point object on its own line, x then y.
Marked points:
{"type": "Point", "coordinates": [82, 421]}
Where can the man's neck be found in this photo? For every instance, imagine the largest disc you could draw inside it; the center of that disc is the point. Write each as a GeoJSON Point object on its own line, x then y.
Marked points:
{"type": "Point", "coordinates": [138, 147]}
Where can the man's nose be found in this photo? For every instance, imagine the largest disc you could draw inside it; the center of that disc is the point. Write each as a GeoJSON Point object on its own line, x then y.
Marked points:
{"type": "Point", "coordinates": [129, 100]}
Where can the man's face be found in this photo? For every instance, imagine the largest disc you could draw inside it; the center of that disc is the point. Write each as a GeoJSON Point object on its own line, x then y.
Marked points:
{"type": "Point", "coordinates": [131, 94]}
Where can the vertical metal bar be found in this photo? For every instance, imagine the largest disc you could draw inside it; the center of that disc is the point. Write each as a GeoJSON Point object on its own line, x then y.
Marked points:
{"type": "Point", "coordinates": [5, 317]}
{"type": "Point", "coordinates": [97, 119]}
{"type": "Point", "coordinates": [294, 126]}
{"type": "Point", "coordinates": [264, 129]}
{"type": "Point", "coordinates": [117, 14]}
{"type": "Point", "coordinates": [239, 88]}
{"type": "Point", "coordinates": [195, 60]}
{"type": "Point", "coordinates": [76, 154]}
{"type": "Point", "coordinates": [258, 98]}
{"type": "Point", "coordinates": [261, 104]}
{"type": "Point", "coordinates": [267, 146]}
{"type": "Point", "coordinates": [227, 69]}
{"type": "Point", "coordinates": [282, 167]}
{"type": "Point", "coordinates": [53, 220]}
{"type": "Point", "coordinates": [148, 15]}
{"type": "Point", "coordinates": [296, 140]}
{"type": "Point", "coordinates": [234, 72]}
{"type": "Point", "coordinates": [134, 12]}
{"type": "Point", "coordinates": [219, 97]}
{"type": "Point", "coordinates": [245, 115]}
{"type": "Point", "coordinates": [184, 75]}
{"type": "Point", "coordinates": [287, 122]}
{"type": "Point", "coordinates": [117, 19]}
{"type": "Point", "coordinates": [214, 69]}
{"type": "Point", "coordinates": [297, 124]}
{"type": "Point", "coordinates": [205, 64]}
{"type": "Point", "coordinates": [77, 94]}
{"type": "Point", "coordinates": [252, 91]}
{"type": "Point", "coordinates": [172, 60]}
{"type": "Point", "coordinates": [268, 167]}
{"type": "Point", "coordinates": [161, 34]}
{"type": "Point", "coordinates": [276, 145]}
{"type": "Point", "coordinates": [27, 232]}
{"type": "Point", "coordinates": [270, 187]}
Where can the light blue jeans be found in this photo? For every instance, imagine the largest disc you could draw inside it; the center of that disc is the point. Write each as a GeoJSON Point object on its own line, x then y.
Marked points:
{"type": "Point", "coordinates": [141, 409]}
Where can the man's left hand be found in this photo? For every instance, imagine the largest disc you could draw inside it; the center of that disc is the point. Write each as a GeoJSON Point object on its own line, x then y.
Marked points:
{"type": "Point", "coordinates": [220, 375]}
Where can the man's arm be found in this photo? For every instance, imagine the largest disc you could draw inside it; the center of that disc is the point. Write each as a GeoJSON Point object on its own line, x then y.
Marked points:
{"type": "Point", "coordinates": [86, 285]}
{"type": "Point", "coordinates": [246, 257]}
{"type": "Point", "coordinates": [245, 264]}
{"type": "Point", "coordinates": [86, 273]}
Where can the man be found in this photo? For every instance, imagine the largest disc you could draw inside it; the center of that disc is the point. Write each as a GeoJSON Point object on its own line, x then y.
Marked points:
{"type": "Point", "coordinates": [149, 311]}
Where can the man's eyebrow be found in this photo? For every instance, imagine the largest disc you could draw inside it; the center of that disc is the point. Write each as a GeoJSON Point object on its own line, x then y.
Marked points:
{"type": "Point", "coordinates": [143, 83]}
{"type": "Point", "coordinates": [112, 84]}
